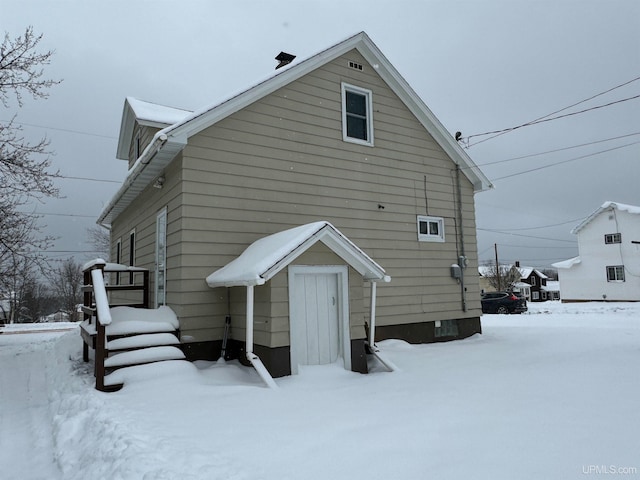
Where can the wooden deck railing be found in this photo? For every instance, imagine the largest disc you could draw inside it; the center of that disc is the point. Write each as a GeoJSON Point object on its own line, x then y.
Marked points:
{"type": "Point", "coordinates": [96, 309]}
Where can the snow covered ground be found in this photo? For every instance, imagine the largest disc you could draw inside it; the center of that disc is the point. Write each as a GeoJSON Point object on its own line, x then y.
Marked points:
{"type": "Point", "coordinates": [552, 394]}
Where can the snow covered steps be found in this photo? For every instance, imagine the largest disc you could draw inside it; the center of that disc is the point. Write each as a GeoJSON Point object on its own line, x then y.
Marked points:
{"type": "Point", "coordinates": [143, 356]}
{"type": "Point", "coordinates": [138, 337]}
{"type": "Point", "coordinates": [142, 341]}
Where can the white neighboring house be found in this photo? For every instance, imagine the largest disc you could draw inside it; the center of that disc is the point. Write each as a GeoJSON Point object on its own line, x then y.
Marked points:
{"type": "Point", "coordinates": [608, 265]}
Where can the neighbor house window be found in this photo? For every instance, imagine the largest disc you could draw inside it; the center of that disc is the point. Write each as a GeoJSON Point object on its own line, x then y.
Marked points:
{"type": "Point", "coordinates": [430, 229]}
{"type": "Point", "coordinates": [535, 295]}
{"type": "Point", "coordinates": [533, 280]}
{"type": "Point", "coordinates": [446, 328]}
{"type": "Point", "coordinates": [615, 273]}
{"type": "Point", "coordinates": [357, 118]}
{"type": "Point", "coordinates": [613, 238]}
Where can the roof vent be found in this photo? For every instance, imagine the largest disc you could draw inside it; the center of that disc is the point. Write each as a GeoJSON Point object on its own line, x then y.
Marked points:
{"type": "Point", "coordinates": [284, 59]}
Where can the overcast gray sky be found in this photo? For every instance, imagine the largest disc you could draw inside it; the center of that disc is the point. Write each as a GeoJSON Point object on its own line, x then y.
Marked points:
{"type": "Point", "coordinates": [480, 66]}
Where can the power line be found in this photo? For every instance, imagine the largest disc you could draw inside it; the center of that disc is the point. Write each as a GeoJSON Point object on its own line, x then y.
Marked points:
{"type": "Point", "coordinates": [507, 245]}
{"type": "Point", "coordinates": [526, 236]}
{"type": "Point", "coordinates": [564, 161]}
{"type": "Point", "coordinates": [89, 179]}
{"type": "Point", "coordinates": [68, 130]}
{"type": "Point", "coordinates": [543, 226]}
{"type": "Point", "coordinates": [65, 215]}
{"type": "Point", "coordinates": [557, 150]}
{"type": "Point", "coordinates": [545, 118]}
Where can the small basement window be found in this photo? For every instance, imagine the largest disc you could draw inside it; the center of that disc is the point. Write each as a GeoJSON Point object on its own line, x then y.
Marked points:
{"type": "Point", "coordinates": [430, 229]}
{"type": "Point", "coordinates": [446, 328]}
{"type": "Point", "coordinates": [357, 118]}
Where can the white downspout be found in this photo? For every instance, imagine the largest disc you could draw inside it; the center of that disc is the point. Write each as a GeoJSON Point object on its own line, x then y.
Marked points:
{"type": "Point", "coordinates": [372, 334]}
{"type": "Point", "coordinates": [252, 357]}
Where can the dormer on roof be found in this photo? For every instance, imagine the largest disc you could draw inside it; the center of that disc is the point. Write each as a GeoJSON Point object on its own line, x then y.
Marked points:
{"type": "Point", "coordinates": [140, 117]}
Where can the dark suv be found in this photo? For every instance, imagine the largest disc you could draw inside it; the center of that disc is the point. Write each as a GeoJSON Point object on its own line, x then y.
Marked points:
{"type": "Point", "coordinates": [503, 302]}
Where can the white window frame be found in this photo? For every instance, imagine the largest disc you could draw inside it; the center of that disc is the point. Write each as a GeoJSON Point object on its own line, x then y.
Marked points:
{"type": "Point", "coordinates": [118, 257]}
{"type": "Point", "coordinates": [160, 254]}
{"type": "Point", "coordinates": [535, 296]}
{"type": "Point", "coordinates": [369, 116]}
{"type": "Point", "coordinates": [429, 237]}
{"type": "Point", "coordinates": [612, 238]}
{"type": "Point", "coordinates": [132, 253]}
{"type": "Point", "coordinates": [617, 271]}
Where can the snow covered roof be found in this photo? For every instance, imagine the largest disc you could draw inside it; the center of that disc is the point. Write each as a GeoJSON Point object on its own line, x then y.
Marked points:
{"type": "Point", "coordinates": [485, 270]}
{"type": "Point", "coordinates": [606, 206]}
{"type": "Point", "coordinates": [264, 258]}
{"type": "Point", "coordinates": [551, 286]}
{"type": "Point", "coordinates": [525, 272]}
{"type": "Point", "coordinates": [169, 141]}
{"type": "Point", "coordinates": [567, 263]}
{"type": "Point", "coordinates": [148, 114]}
{"type": "Point", "coordinates": [489, 270]}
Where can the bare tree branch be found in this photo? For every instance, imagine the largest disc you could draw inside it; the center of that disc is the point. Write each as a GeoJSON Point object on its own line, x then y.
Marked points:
{"type": "Point", "coordinates": [99, 238]}
{"type": "Point", "coordinates": [20, 70]}
{"type": "Point", "coordinates": [25, 168]}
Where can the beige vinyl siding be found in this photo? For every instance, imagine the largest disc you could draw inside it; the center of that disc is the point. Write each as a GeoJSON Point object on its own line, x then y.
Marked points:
{"type": "Point", "coordinates": [275, 165]}
{"type": "Point", "coordinates": [281, 162]}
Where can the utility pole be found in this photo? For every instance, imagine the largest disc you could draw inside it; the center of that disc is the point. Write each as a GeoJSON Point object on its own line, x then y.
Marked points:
{"type": "Point", "coordinates": [495, 247]}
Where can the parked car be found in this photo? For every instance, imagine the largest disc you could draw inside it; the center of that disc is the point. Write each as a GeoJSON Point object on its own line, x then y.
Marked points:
{"type": "Point", "coordinates": [503, 302]}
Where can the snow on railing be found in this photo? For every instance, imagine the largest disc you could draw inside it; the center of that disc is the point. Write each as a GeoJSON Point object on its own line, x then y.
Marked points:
{"type": "Point", "coordinates": [100, 295]}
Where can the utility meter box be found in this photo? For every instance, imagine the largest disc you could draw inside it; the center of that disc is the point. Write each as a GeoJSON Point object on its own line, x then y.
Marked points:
{"type": "Point", "coordinates": [456, 271]}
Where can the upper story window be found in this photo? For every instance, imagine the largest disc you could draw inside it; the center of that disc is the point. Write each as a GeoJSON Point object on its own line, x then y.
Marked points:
{"type": "Point", "coordinates": [615, 273]}
{"type": "Point", "coordinates": [430, 229]}
{"type": "Point", "coordinates": [118, 258]}
{"type": "Point", "coordinates": [533, 280]}
{"type": "Point", "coordinates": [132, 252]}
{"type": "Point", "coordinates": [357, 118]}
{"type": "Point", "coordinates": [613, 238]}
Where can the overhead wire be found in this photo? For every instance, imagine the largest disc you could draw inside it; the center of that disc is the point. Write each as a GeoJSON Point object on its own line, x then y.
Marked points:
{"type": "Point", "coordinates": [68, 130]}
{"type": "Point", "coordinates": [545, 118]}
{"type": "Point", "coordinates": [542, 167]}
{"type": "Point", "coordinates": [556, 150]}
{"type": "Point", "coordinates": [544, 226]}
{"type": "Point", "coordinates": [89, 179]}
{"type": "Point", "coordinates": [502, 232]}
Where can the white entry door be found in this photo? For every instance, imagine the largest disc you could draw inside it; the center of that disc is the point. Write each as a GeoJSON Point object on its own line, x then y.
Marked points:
{"type": "Point", "coordinates": [317, 301]}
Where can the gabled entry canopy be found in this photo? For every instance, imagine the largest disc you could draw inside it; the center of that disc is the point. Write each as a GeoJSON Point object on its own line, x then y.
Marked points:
{"type": "Point", "coordinates": [263, 259]}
